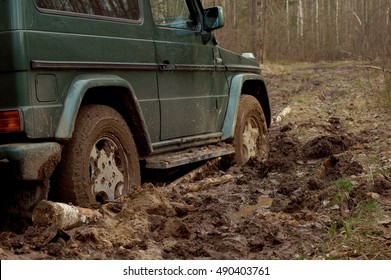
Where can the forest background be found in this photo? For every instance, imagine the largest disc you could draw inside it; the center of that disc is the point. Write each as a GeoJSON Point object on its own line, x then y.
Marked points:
{"type": "Point", "coordinates": [308, 30]}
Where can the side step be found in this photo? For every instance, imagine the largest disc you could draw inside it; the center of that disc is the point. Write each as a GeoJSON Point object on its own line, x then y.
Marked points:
{"type": "Point", "coordinates": [169, 160]}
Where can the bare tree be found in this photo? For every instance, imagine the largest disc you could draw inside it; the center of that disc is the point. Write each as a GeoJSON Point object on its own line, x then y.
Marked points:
{"type": "Point", "coordinates": [317, 23]}
{"type": "Point", "coordinates": [300, 20]}
{"type": "Point", "coordinates": [254, 27]}
{"type": "Point", "coordinates": [288, 34]}
{"type": "Point", "coordinates": [337, 21]}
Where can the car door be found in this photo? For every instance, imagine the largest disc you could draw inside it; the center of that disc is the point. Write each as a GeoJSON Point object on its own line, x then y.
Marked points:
{"type": "Point", "coordinates": [192, 93]}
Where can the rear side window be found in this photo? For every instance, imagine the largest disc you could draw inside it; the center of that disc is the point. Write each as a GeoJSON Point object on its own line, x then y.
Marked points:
{"type": "Point", "coordinates": [123, 9]}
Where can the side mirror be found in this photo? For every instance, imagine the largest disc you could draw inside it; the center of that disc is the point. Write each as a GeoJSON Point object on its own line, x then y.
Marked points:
{"type": "Point", "coordinates": [214, 18]}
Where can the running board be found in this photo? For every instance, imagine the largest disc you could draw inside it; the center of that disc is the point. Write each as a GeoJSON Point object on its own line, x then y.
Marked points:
{"type": "Point", "coordinates": [169, 160]}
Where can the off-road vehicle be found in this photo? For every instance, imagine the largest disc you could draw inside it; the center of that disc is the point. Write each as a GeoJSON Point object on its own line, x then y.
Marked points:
{"type": "Point", "coordinates": [90, 90]}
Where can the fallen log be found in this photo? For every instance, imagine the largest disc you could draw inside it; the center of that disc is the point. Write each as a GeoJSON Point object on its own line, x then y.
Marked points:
{"type": "Point", "coordinates": [63, 215]}
{"type": "Point", "coordinates": [374, 68]}
{"type": "Point", "coordinates": [282, 115]}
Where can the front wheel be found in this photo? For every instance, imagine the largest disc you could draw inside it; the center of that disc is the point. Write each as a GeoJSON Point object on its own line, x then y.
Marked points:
{"type": "Point", "coordinates": [251, 137]}
{"type": "Point", "coordinates": [100, 163]}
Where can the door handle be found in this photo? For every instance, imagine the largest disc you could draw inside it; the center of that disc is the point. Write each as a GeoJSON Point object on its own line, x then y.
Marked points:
{"type": "Point", "coordinates": [166, 66]}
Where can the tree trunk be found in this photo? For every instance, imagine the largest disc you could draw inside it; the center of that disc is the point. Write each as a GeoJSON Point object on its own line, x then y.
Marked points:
{"type": "Point", "coordinates": [337, 21]}
{"type": "Point", "coordinates": [288, 35]}
{"type": "Point", "coordinates": [263, 21]}
{"type": "Point", "coordinates": [235, 11]}
{"type": "Point", "coordinates": [300, 20]}
{"type": "Point", "coordinates": [254, 28]}
{"type": "Point", "coordinates": [317, 23]}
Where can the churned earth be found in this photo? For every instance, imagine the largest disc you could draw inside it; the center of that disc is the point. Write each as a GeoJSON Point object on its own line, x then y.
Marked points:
{"type": "Point", "coordinates": [324, 193]}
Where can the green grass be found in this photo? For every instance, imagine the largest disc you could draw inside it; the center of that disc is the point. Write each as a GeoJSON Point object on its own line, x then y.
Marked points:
{"type": "Point", "coordinates": [359, 235]}
{"type": "Point", "coordinates": [369, 206]}
{"type": "Point", "coordinates": [343, 184]}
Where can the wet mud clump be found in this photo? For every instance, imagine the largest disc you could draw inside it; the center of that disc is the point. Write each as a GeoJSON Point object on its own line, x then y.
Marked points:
{"type": "Point", "coordinates": [326, 145]}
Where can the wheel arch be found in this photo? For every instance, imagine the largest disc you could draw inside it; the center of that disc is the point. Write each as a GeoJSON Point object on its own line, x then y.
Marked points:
{"type": "Point", "coordinates": [93, 89]}
{"type": "Point", "coordinates": [257, 88]}
{"type": "Point", "coordinates": [250, 84]}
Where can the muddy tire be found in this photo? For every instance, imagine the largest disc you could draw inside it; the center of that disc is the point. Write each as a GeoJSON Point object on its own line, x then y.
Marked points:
{"type": "Point", "coordinates": [251, 138]}
{"type": "Point", "coordinates": [100, 163]}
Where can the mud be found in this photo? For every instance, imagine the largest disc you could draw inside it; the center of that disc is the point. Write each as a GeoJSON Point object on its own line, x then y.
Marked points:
{"type": "Point", "coordinates": [279, 209]}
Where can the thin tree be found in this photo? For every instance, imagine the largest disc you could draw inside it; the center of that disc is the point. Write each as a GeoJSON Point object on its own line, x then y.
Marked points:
{"type": "Point", "coordinates": [317, 23]}
{"type": "Point", "coordinates": [300, 20]}
{"type": "Point", "coordinates": [337, 21]}
{"type": "Point", "coordinates": [288, 35]}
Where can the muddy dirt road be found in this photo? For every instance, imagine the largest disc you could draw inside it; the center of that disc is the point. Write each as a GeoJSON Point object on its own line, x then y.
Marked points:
{"type": "Point", "coordinates": [325, 192]}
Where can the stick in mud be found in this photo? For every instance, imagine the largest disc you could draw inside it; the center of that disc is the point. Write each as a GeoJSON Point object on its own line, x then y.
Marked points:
{"type": "Point", "coordinates": [63, 215]}
{"type": "Point", "coordinates": [188, 177]}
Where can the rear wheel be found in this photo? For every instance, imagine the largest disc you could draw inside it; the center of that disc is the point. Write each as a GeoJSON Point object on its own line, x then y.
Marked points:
{"type": "Point", "coordinates": [251, 138]}
{"type": "Point", "coordinates": [100, 163]}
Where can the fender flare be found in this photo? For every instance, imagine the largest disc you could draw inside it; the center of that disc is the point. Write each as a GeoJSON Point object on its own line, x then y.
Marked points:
{"type": "Point", "coordinates": [77, 90]}
{"type": "Point", "coordinates": [229, 124]}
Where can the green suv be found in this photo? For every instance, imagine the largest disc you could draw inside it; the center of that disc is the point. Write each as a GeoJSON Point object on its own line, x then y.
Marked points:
{"type": "Point", "coordinates": [92, 91]}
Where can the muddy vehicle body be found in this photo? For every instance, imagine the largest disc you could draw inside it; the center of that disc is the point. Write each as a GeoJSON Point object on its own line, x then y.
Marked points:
{"type": "Point", "coordinates": [92, 90]}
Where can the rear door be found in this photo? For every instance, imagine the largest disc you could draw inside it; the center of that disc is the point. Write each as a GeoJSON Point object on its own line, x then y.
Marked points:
{"type": "Point", "coordinates": [105, 37]}
{"type": "Point", "coordinates": [192, 98]}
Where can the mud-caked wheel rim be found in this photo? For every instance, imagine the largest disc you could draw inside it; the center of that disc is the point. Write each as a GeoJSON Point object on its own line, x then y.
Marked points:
{"type": "Point", "coordinates": [108, 170]}
{"type": "Point", "coordinates": [251, 135]}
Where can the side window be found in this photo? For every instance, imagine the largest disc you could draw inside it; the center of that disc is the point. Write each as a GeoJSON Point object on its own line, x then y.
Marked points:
{"type": "Point", "coordinates": [124, 9]}
{"type": "Point", "coordinates": [175, 14]}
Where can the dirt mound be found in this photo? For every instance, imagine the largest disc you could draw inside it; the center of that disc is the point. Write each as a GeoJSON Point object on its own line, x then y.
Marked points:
{"type": "Point", "coordinates": [326, 145]}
